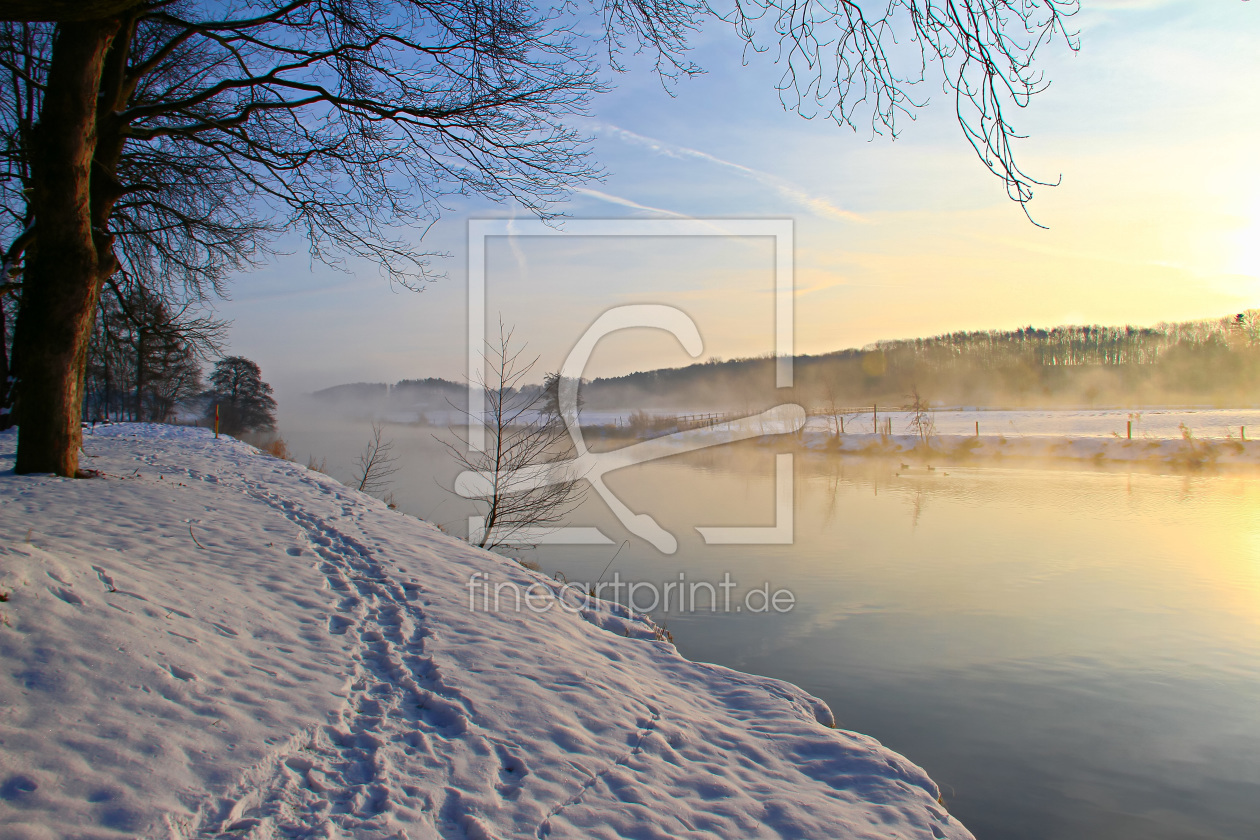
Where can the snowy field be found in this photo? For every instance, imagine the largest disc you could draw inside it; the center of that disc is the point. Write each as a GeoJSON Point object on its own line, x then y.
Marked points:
{"type": "Point", "coordinates": [210, 642]}
{"type": "Point", "coordinates": [1148, 423]}
{"type": "Point", "coordinates": [1158, 439]}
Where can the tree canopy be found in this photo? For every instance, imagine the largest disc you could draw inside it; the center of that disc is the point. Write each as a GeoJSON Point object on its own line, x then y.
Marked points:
{"type": "Point", "coordinates": [171, 140]}
{"type": "Point", "coordinates": [244, 400]}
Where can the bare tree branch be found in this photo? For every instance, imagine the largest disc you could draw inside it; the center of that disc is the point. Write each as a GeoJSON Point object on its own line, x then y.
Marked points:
{"type": "Point", "coordinates": [850, 66]}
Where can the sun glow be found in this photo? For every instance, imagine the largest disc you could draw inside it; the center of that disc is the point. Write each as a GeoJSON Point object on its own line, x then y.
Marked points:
{"type": "Point", "coordinates": [1247, 245]}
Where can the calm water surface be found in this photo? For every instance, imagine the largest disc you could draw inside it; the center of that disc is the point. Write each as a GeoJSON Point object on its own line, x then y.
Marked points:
{"type": "Point", "coordinates": [1070, 654]}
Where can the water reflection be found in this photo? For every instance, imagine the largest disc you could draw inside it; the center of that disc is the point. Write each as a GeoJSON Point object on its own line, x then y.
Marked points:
{"type": "Point", "coordinates": [1070, 653]}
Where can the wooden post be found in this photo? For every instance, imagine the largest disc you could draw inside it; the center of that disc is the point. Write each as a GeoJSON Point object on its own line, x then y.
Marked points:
{"type": "Point", "coordinates": [875, 418]}
{"type": "Point", "coordinates": [842, 425]}
{"type": "Point", "coordinates": [216, 421]}
{"type": "Point", "coordinates": [977, 428]}
{"type": "Point", "coordinates": [1128, 434]}
{"type": "Point", "coordinates": [1242, 432]}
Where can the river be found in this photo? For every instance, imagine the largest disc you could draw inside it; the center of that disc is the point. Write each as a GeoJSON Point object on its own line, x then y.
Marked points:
{"type": "Point", "coordinates": [1071, 652]}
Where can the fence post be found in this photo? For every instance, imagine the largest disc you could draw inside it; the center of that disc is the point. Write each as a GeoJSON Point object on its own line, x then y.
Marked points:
{"type": "Point", "coordinates": [1242, 432]}
{"type": "Point", "coordinates": [216, 421]}
{"type": "Point", "coordinates": [875, 418]}
{"type": "Point", "coordinates": [1128, 434]}
{"type": "Point", "coordinates": [977, 428]}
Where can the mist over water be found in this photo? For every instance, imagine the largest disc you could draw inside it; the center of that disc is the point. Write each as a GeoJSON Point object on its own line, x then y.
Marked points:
{"type": "Point", "coordinates": [1213, 362]}
{"type": "Point", "coordinates": [336, 438]}
{"type": "Point", "coordinates": [1070, 654]}
{"type": "Point", "coordinates": [1071, 650]}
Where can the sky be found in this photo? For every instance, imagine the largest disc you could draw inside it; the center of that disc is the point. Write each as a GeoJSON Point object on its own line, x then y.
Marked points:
{"type": "Point", "coordinates": [1153, 128]}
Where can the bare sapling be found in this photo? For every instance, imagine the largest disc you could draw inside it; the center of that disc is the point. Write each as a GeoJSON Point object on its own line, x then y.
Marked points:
{"type": "Point", "coordinates": [834, 415]}
{"type": "Point", "coordinates": [524, 478]}
{"type": "Point", "coordinates": [922, 421]}
{"type": "Point", "coordinates": [377, 463]}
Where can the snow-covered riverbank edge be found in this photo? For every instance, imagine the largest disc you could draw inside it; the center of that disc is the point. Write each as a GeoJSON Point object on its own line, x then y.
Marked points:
{"type": "Point", "coordinates": [1180, 454]}
{"type": "Point", "coordinates": [210, 640]}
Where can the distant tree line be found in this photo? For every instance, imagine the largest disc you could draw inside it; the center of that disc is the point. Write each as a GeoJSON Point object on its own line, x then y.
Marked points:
{"type": "Point", "coordinates": [1213, 361]}
{"type": "Point", "coordinates": [434, 392]}
{"type": "Point", "coordinates": [1080, 345]}
{"type": "Point", "coordinates": [1205, 361]}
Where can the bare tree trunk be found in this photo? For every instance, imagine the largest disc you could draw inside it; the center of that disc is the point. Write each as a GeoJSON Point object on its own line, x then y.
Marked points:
{"type": "Point", "coordinates": [6, 384]}
{"type": "Point", "coordinates": [64, 273]}
{"type": "Point", "coordinates": [140, 349]}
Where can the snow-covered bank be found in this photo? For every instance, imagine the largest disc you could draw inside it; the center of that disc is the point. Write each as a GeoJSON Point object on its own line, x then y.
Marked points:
{"type": "Point", "coordinates": [211, 641]}
{"type": "Point", "coordinates": [1177, 454]}
{"type": "Point", "coordinates": [1145, 423]}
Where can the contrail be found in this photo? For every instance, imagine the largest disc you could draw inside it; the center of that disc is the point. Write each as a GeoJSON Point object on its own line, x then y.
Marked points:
{"type": "Point", "coordinates": [519, 254]}
{"type": "Point", "coordinates": [815, 204]}
{"type": "Point", "coordinates": [625, 202]}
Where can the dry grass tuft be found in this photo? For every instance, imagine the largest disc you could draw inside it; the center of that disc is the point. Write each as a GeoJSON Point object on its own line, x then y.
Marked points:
{"type": "Point", "coordinates": [278, 449]}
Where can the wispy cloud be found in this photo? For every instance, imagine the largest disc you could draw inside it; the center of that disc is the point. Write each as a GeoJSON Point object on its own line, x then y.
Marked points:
{"type": "Point", "coordinates": [518, 254]}
{"type": "Point", "coordinates": [625, 202]}
{"type": "Point", "coordinates": [818, 205]}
